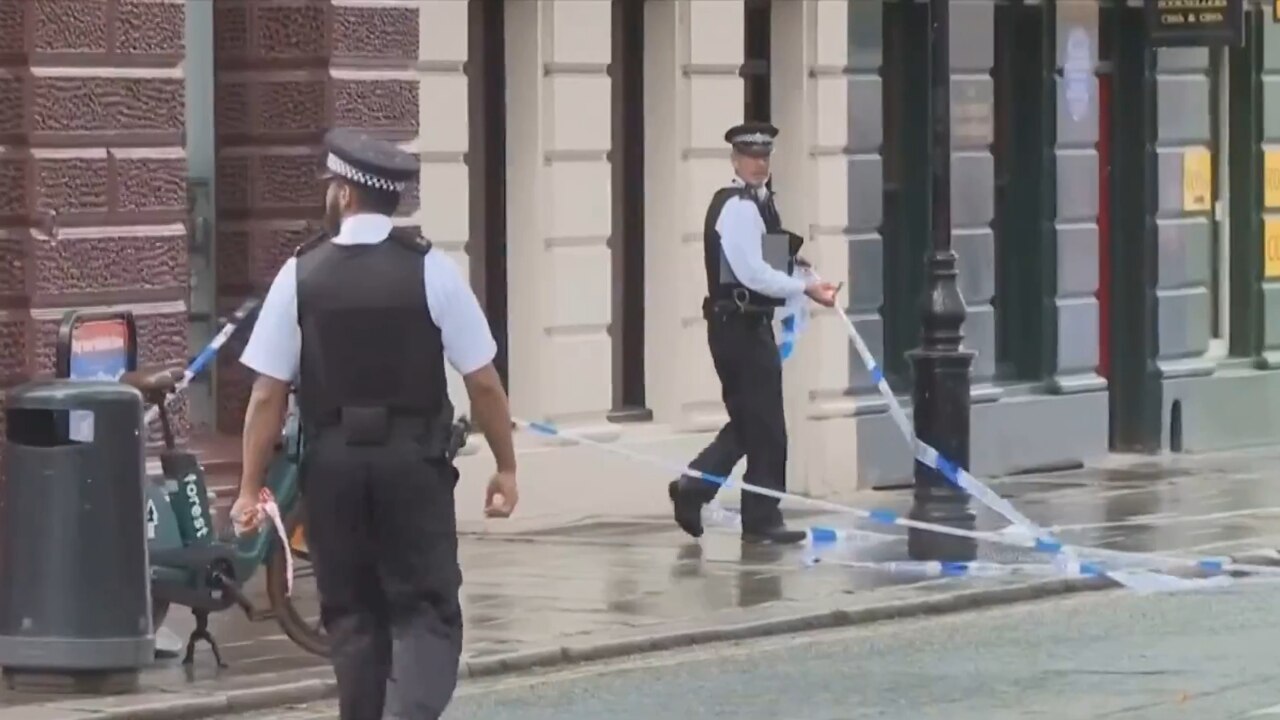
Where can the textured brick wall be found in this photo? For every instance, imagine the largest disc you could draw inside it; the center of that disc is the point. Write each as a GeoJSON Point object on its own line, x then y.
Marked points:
{"type": "Point", "coordinates": [91, 127]}
{"type": "Point", "coordinates": [287, 71]}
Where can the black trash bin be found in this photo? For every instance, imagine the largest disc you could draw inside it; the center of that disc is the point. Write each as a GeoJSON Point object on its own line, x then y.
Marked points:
{"type": "Point", "coordinates": [75, 603]}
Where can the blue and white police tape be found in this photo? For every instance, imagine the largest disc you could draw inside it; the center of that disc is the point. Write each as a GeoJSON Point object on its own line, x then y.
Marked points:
{"type": "Point", "coordinates": [824, 539]}
{"type": "Point", "coordinates": [787, 338]}
{"type": "Point", "coordinates": [935, 569]}
{"type": "Point", "coordinates": [1143, 582]}
{"type": "Point", "coordinates": [1018, 538]}
{"type": "Point", "coordinates": [715, 515]}
{"type": "Point", "coordinates": [795, 315]}
{"type": "Point", "coordinates": [1143, 579]}
{"type": "Point", "coordinates": [209, 352]}
{"type": "Point", "coordinates": [930, 457]}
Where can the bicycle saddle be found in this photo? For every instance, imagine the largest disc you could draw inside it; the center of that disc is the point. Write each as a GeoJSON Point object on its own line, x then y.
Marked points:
{"type": "Point", "coordinates": [153, 385]}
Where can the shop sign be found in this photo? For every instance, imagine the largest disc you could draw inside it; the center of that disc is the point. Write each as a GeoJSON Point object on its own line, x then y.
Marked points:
{"type": "Point", "coordinates": [1196, 23]}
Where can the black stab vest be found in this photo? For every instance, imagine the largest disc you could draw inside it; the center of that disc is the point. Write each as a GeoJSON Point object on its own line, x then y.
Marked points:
{"type": "Point", "coordinates": [712, 252]}
{"type": "Point", "coordinates": [368, 339]}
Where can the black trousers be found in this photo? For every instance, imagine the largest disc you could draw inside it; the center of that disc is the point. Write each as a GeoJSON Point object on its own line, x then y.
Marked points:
{"type": "Point", "coordinates": [746, 359]}
{"type": "Point", "coordinates": [383, 536]}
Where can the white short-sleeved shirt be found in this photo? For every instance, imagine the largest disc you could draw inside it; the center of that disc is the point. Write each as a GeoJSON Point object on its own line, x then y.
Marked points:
{"type": "Point", "coordinates": [275, 348]}
{"type": "Point", "coordinates": [741, 230]}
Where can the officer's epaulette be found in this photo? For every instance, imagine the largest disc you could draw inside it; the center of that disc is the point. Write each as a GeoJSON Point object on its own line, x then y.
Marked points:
{"type": "Point", "coordinates": [311, 244]}
{"type": "Point", "coordinates": [412, 239]}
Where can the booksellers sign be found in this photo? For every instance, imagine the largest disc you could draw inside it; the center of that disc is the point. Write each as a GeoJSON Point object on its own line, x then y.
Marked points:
{"type": "Point", "coordinates": [1204, 23]}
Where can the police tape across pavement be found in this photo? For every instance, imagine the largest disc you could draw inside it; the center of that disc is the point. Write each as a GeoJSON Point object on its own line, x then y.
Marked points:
{"type": "Point", "coordinates": [1011, 536]}
{"type": "Point", "coordinates": [1023, 532]}
{"type": "Point", "coordinates": [1134, 577]}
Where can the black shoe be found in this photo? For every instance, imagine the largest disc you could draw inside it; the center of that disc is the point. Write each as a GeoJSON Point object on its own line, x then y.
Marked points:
{"type": "Point", "coordinates": [776, 535]}
{"type": "Point", "coordinates": [686, 508]}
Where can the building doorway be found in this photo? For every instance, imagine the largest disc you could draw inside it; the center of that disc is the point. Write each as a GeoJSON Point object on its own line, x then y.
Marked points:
{"type": "Point", "coordinates": [487, 166]}
{"type": "Point", "coordinates": [626, 244]}
{"type": "Point", "coordinates": [1022, 152]}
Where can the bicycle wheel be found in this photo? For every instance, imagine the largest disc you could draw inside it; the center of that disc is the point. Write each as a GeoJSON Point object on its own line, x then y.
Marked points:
{"type": "Point", "coordinates": [299, 613]}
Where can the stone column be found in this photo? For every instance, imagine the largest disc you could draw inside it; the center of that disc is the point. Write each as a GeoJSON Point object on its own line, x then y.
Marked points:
{"type": "Point", "coordinates": [826, 99]}
{"type": "Point", "coordinates": [1184, 233]}
{"type": "Point", "coordinates": [973, 177]}
{"type": "Point", "coordinates": [1074, 225]}
{"type": "Point", "coordinates": [92, 129]}
{"type": "Point", "coordinates": [693, 93]}
{"type": "Point", "coordinates": [287, 71]}
{"type": "Point", "coordinates": [811, 96]}
{"type": "Point", "coordinates": [559, 129]}
{"type": "Point", "coordinates": [443, 140]}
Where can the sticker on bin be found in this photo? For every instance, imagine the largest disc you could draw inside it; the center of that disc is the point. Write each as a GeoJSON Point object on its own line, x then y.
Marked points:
{"type": "Point", "coordinates": [80, 426]}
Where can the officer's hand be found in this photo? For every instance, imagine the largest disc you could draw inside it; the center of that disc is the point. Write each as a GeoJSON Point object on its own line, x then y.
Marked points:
{"type": "Point", "coordinates": [501, 498]}
{"type": "Point", "coordinates": [246, 518]}
{"type": "Point", "coordinates": [823, 293]}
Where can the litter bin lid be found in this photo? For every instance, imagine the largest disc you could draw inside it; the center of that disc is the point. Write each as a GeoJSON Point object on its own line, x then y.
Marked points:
{"type": "Point", "coordinates": [70, 394]}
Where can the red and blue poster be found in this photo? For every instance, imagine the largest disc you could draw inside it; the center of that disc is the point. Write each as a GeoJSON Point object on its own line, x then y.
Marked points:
{"type": "Point", "coordinates": [99, 350]}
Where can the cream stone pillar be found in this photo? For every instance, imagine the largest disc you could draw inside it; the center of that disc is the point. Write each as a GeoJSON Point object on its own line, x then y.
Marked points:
{"type": "Point", "coordinates": [559, 206]}
{"type": "Point", "coordinates": [693, 93]}
{"type": "Point", "coordinates": [792, 112]}
{"type": "Point", "coordinates": [443, 213]}
{"type": "Point", "coordinates": [810, 96]}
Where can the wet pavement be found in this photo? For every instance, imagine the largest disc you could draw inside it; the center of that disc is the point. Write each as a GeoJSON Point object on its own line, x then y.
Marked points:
{"type": "Point", "coordinates": [625, 576]}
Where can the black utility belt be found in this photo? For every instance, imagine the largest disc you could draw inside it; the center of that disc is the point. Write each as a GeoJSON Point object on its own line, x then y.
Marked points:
{"type": "Point", "coordinates": [736, 306]}
{"type": "Point", "coordinates": [372, 425]}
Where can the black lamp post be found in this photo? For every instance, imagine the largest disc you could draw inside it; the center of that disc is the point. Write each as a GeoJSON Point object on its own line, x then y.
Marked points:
{"type": "Point", "coordinates": [941, 393]}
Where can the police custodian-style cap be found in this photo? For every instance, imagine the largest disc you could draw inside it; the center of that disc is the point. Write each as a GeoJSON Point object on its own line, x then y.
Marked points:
{"type": "Point", "coordinates": [752, 138]}
{"type": "Point", "coordinates": [366, 160]}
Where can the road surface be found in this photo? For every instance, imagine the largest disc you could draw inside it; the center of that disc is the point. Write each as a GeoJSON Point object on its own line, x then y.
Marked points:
{"type": "Point", "coordinates": [1112, 654]}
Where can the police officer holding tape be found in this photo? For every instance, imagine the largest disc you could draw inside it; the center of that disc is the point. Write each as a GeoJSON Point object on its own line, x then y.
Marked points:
{"type": "Point", "coordinates": [364, 319]}
{"type": "Point", "coordinates": [749, 262]}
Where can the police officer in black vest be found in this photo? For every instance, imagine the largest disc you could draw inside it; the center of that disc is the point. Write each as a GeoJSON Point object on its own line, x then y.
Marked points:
{"type": "Point", "coordinates": [749, 262]}
{"type": "Point", "coordinates": [363, 319]}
